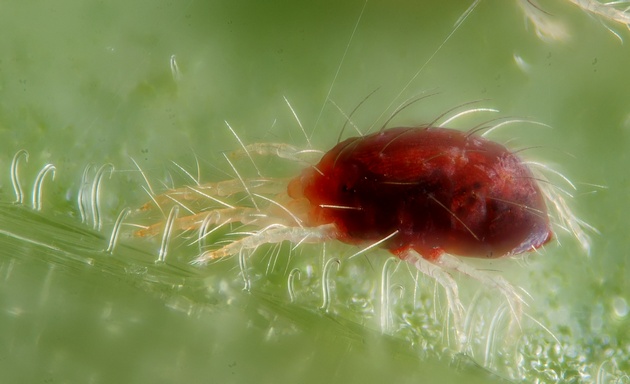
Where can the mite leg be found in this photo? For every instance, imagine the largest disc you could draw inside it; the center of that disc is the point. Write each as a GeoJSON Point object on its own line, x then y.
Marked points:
{"type": "Point", "coordinates": [490, 280]}
{"type": "Point", "coordinates": [436, 272]}
{"type": "Point", "coordinates": [281, 150]}
{"type": "Point", "coordinates": [272, 234]}
{"type": "Point", "coordinates": [214, 217]}
{"type": "Point", "coordinates": [214, 191]}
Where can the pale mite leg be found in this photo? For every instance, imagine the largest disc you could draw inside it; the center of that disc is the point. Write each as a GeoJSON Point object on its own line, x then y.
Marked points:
{"type": "Point", "coordinates": [442, 277]}
{"type": "Point", "coordinates": [270, 235]}
{"type": "Point", "coordinates": [227, 215]}
{"type": "Point", "coordinates": [216, 190]}
{"type": "Point", "coordinates": [489, 280]}
{"type": "Point", "coordinates": [281, 150]}
{"type": "Point", "coordinates": [228, 188]}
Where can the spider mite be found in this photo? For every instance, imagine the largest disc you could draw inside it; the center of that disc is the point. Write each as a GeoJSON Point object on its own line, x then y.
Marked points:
{"type": "Point", "coordinates": [426, 194]}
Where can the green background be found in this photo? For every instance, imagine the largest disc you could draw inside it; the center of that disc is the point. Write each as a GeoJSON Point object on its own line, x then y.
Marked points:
{"type": "Point", "coordinates": [87, 82]}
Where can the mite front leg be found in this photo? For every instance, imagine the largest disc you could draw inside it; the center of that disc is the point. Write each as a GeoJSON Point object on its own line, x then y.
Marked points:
{"type": "Point", "coordinates": [216, 191]}
{"type": "Point", "coordinates": [280, 150]}
{"type": "Point", "coordinates": [214, 217]}
{"type": "Point", "coordinates": [272, 234]}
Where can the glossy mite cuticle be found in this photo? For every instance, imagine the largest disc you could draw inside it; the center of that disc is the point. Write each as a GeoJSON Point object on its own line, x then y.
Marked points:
{"type": "Point", "coordinates": [433, 190]}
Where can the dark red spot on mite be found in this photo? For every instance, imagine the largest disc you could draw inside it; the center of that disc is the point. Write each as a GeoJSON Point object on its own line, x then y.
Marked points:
{"type": "Point", "coordinates": [432, 190]}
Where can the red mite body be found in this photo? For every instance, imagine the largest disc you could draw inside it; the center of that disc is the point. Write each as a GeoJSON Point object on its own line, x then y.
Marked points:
{"type": "Point", "coordinates": [432, 190]}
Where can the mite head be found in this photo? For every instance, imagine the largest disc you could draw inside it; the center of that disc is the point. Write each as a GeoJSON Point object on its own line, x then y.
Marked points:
{"type": "Point", "coordinates": [323, 186]}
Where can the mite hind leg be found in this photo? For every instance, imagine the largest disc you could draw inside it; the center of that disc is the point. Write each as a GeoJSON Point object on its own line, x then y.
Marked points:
{"type": "Point", "coordinates": [444, 279]}
{"type": "Point", "coordinates": [493, 281]}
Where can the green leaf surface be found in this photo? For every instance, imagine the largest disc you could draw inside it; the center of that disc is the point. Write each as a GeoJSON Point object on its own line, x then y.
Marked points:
{"type": "Point", "coordinates": [121, 91]}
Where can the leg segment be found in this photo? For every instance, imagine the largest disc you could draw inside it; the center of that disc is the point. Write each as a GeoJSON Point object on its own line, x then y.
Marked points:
{"type": "Point", "coordinates": [214, 217]}
{"type": "Point", "coordinates": [281, 150]}
{"type": "Point", "coordinates": [272, 234]}
{"type": "Point", "coordinates": [436, 272]}
{"type": "Point", "coordinates": [214, 191]}
{"type": "Point", "coordinates": [490, 280]}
